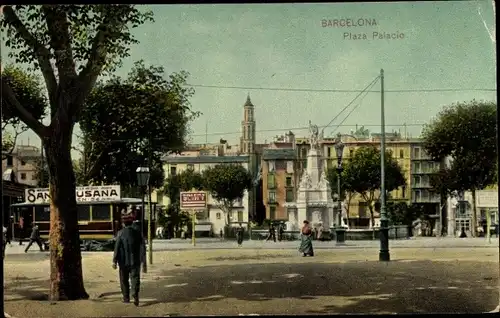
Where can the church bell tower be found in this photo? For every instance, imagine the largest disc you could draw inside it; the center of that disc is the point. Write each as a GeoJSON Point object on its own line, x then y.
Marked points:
{"type": "Point", "coordinates": [247, 141]}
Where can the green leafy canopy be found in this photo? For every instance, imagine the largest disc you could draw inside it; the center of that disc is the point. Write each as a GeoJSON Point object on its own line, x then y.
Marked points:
{"type": "Point", "coordinates": [227, 182]}
{"type": "Point", "coordinates": [125, 119]}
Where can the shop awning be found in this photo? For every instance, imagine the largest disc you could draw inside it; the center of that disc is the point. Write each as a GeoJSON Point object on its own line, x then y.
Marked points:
{"type": "Point", "coordinates": [203, 227]}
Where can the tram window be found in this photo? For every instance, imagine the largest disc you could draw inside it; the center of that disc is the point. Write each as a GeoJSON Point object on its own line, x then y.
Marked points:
{"type": "Point", "coordinates": [101, 212]}
{"type": "Point", "coordinates": [42, 213]}
{"type": "Point", "coordinates": [83, 212]}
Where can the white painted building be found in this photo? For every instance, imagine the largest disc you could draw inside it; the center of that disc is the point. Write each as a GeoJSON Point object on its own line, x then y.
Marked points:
{"type": "Point", "coordinates": [213, 219]}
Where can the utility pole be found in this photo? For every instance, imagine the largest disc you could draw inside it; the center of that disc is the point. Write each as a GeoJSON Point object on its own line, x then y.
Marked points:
{"type": "Point", "coordinates": [150, 204]}
{"type": "Point", "coordinates": [384, 222]}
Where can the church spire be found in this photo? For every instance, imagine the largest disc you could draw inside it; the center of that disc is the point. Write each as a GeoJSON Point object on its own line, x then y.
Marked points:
{"type": "Point", "coordinates": [248, 102]}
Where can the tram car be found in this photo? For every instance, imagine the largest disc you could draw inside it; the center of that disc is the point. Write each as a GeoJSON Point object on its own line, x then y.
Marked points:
{"type": "Point", "coordinates": [99, 213]}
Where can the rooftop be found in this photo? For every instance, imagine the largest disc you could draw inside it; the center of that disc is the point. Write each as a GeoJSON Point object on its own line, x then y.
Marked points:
{"type": "Point", "coordinates": [279, 154]}
{"type": "Point", "coordinates": [207, 159]}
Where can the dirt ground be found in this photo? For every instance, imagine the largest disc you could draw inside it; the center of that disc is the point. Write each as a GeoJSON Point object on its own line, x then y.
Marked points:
{"type": "Point", "coordinates": [229, 282]}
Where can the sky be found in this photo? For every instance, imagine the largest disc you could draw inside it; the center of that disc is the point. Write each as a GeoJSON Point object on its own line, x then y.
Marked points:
{"type": "Point", "coordinates": [439, 45]}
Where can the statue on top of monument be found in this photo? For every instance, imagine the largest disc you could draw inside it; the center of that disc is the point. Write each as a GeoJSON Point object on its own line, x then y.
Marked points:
{"type": "Point", "coordinates": [315, 136]}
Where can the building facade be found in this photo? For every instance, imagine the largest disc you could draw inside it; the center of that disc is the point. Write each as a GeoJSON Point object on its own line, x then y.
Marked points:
{"type": "Point", "coordinates": [279, 181]}
{"type": "Point", "coordinates": [21, 165]}
{"type": "Point", "coordinates": [211, 220]}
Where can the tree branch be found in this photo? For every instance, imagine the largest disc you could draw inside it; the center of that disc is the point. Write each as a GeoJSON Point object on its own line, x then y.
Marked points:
{"type": "Point", "coordinates": [41, 52]}
{"type": "Point", "coordinates": [24, 115]}
{"type": "Point", "coordinates": [88, 76]}
{"type": "Point", "coordinates": [58, 26]}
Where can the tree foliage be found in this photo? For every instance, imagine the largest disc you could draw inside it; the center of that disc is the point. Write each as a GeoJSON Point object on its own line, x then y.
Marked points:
{"type": "Point", "coordinates": [467, 133]}
{"type": "Point", "coordinates": [227, 183]}
{"type": "Point", "coordinates": [29, 92]}
{"type": "Point", "coordinates": [71, 45]}
{"type": "Point", "coordinates": [346, 186]}
{"type": "Point", "coordinates": [363, 173]}
{"type": "Point", "coordinates": [402, 213]}
{"type": "Point", "coordinates": [127, 120]}
{"type": "Point", "coordinates": [184, 181]}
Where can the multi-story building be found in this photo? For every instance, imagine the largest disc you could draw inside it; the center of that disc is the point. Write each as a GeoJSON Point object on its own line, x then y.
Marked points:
{"type": "Point", "coordinates": [200, 157]}
{"type": "Point", "coordinates": [422, 169]}
{"type": "Point", "coordinates": [279, 181]}
{"type": "Point", "coordinates": [212, 220]}
{"type": "Point", "coordinates": [21, 165]}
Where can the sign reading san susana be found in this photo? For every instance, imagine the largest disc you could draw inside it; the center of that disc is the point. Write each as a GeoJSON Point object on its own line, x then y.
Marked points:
{"type": "Point", "coordinates": [83, 194]}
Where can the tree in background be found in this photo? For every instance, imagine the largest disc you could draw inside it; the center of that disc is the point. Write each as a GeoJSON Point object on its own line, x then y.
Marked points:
{"type": "Point", "coordinates": [184, 181]}
{"type": "Point", "coordinates": [363, 173]}
{"type": "Point", "coordinates": [29, 92]}
{"type": "Point", "coordinates": [402, 213]}
{"type": "Point", "coordinates": [227, 183]}
{"type": "Point", "coordinates": [71, 45]}
{"type": "Point", "coordinates": [346, 186]}
{"type": "Point", "coordinates": [127, 121]}
{"type": "Point", "coordinates": [467, 133]}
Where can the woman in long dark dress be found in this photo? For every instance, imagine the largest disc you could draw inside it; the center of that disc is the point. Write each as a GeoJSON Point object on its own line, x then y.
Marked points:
{"type": "Point", "coordinates": [239, 234]}
{"type": "Point", "coordinates": [306, 247]}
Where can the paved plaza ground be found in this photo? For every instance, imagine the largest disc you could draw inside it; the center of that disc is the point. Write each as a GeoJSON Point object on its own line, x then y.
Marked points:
{"type": "Point", "coordinates": [264, 279]}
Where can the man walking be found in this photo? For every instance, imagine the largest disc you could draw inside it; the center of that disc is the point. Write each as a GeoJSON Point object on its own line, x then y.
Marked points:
{"type": "Point", "coordinates": [34, 238]}
{"type": "Point", "coordinates": [21, 230]}
{"type": "Point", "coordinates": [130, 253]}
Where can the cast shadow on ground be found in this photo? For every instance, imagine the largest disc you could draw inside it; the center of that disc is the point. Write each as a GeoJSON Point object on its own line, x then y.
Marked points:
{"type": "Point", "coordinates": [363, 287]}
{"type": "Point", "coordinates": [371, 287]}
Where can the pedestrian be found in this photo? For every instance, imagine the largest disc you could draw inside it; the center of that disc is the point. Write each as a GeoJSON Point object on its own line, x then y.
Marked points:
{"type": "Point", "coordinates": [320, 232]}
{"type": "Point", "coordinates": [239, 234]}
{"type": "Point", "coordinates": [4, 241]}
{"type": "Point", "coordinates": [280, 232]}
{"type": "Point", "coordinates": [21, 230]}
{"type": "Point", "coordinates": [462, 234]}
{"type": "Point", "coordinates": [34, 238]}
{"type": "Point", "coordinates": [129, 254]}
{"type": "Point", "coordinates": [272, 233]}
{"type": "Point", "coordinates": [306, 247]}
{"type": "Point", "coordinates": [221, 234]}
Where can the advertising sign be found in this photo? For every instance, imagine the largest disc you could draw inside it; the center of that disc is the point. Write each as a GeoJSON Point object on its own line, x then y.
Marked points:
{"type": "Point", "coordinates": [83, 194]}
{"type": "Point", "coordinates": [193, 200]}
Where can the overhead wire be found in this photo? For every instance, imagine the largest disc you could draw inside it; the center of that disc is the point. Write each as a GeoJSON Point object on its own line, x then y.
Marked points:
{"type": "Point", "coordinates": [352, 101]}
{"type": "Point", "coordinates": [288, 89]}
{"type": "Point", "coordinates": [355, 107]}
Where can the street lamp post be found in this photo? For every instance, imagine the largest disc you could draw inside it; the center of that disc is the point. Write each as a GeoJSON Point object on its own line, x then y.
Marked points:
{"type": "Point", "coordinates": [384, 255]}
{"type": "Point", "coordinates": [142, 181]}
{"type": "Point", "coordinates": [340, 230]}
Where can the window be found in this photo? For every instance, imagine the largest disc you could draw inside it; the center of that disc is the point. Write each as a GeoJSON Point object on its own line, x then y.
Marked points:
{"type": "Point", "coordinates": [280, 165]}
{"type": "Point", "coordinates": [417, 196]}
{"type": "Point", "coordinates": [271, 166]}
{"type": "Point", "coordinates": [240, 216]}
{"type": "Point", "coordinates": [272, 213]}
{"type": "Point", "coordinates": [304, 153]}
{"type": "Point", "coordinates": [83, 212]}
{"type": "Point", "coordinates": [190, 166]}
{"type": "Point", "coordinates": [351, 153]}
{"type": "Point", "coordinates": [101, 212]}
{"type": "Point", "coordinates": [328, 151]}
{"type": "Point", "coordinates": [401, 154]}
{"type": "Point", "coordinates": [289, 182]}
{"type": "Point", "coordinates": [271, 181]}
{"type": "Point", "coordinates": [417, 181]}
{"type": "Point", "coordinates": [289, 167]}
{"type": "Point", "coordinates": [23, 176]}
{"type": "Point", "coordinates": [403, 192]}
{"type": "Point", "coordinates": [10, 161]}
{"type": "Point", "coordinates": [272, 196]}
{"type": "Point", "coordinates": [425, 181]}
{"type": "Point", "coordinates": [23, 163]}
{"type": "Point", "coordinates": [416, 153]}
{"type": "Point", "coordinates": [417, 167]}
{"type": "Point", "coordinates": [173, 170]}
{"type": "Point", "coordinates": [218, 216]}
{"type": "Point", "coordinates": [289, 195]}
{"type": "Point", "coordinates": [42, 213]}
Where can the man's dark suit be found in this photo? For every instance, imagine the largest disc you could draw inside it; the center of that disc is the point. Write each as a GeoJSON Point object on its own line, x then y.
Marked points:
{"type": "Point", "coordinates": [129, 254]}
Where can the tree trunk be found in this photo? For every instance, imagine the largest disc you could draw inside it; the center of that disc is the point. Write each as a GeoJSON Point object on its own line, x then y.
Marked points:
{"type": "Point", "coordinates": [66, 278]}
{"type": "Point", "coordinates": [474, 214]}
